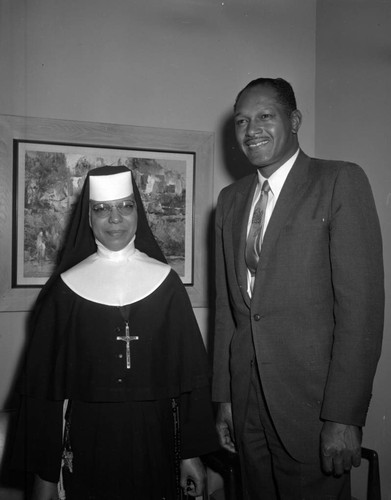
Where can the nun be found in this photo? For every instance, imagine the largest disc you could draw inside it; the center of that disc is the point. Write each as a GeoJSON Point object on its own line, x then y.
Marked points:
{"type": "Point", "coordinates": [115, 394]}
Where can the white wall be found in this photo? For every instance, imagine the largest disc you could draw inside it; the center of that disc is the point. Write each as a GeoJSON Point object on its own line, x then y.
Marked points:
{"type": "Point", "coordinates": [173, 63]}
{"type": "Point", "coordinates": [353, 106]}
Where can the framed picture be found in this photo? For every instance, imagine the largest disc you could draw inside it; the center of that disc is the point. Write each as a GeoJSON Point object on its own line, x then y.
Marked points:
{"type": "Point", "coordinates": [43, 164]}
{"type": "Point", "coordinates": [47, 183]}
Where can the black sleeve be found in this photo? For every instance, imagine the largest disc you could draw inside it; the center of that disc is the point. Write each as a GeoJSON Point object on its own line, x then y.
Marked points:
{"type": "Point", "coordinates": [38, 439]}
{"type": "Point", "coordinates": [198, 433]}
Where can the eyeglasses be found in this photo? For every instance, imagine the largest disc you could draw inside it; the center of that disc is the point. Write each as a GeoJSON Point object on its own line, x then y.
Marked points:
{"type": "Point", "coordinates": [103, 210]}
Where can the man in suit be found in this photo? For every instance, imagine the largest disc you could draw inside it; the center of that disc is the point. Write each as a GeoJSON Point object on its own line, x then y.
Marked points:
{"type": "Point", "coordinates": [298, 329]}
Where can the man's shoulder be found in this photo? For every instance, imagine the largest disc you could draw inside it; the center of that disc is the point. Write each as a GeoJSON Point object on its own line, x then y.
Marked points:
{"type": "Point", "coordinates": [238, 186]}
{"type": "Point", "coordinates": [332, 165]}
{"type": "Point", "coordinates": [334, 169]}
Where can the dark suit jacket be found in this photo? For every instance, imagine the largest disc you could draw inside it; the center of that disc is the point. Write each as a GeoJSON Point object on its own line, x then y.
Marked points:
{"type": "Point", "coordinates": [314, 324]}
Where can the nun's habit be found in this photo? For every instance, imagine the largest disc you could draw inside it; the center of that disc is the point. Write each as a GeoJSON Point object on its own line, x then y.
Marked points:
{"type": "Point", "coordinates": [114, 333]}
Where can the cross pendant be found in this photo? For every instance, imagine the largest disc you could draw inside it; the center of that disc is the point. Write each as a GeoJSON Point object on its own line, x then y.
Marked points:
{"type": "Point", "coordinates": [127, 338]}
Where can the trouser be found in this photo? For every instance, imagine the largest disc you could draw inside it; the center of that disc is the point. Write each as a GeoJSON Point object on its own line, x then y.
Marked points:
{"type": "Point", "coordinates": [269, 472]}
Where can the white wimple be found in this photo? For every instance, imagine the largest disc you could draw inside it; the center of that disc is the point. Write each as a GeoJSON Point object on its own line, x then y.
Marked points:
{"type": "Point", "coordinates": [116, 278]}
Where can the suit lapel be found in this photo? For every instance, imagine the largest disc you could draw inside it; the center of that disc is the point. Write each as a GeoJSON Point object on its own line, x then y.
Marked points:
{"type": "Point", "coordinates": [242, 208]}
{"type": "Point", "coordinates": [291, 193]}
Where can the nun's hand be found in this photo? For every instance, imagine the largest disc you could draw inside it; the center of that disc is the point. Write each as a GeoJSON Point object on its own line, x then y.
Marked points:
{"type": "Point", "coordinates": [44, 490]}
{"type": "Point", "coordinates": [193, 476]}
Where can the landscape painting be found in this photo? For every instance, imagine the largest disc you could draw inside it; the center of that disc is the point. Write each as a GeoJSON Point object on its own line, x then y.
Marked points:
{"type": "Point", "coordinates": [48, 178]}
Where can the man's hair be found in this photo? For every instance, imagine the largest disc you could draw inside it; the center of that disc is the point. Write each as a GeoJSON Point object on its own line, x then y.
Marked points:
{"type": "Point", "coordinates": [283, 89]}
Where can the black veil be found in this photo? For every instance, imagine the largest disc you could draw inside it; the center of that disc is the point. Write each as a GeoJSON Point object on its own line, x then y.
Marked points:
{"type": "Point", "coordinates": [80, 241]}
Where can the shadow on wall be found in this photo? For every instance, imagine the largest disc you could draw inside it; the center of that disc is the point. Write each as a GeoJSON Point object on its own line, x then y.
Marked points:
{"type": "Point", "coordinates": [12, 399]}
{"type": "Point", "coordinates": [235, 162]}
{"type": "Point", "coordinates": [237, 166]}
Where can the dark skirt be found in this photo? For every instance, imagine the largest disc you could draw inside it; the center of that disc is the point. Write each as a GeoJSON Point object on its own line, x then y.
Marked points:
{"type": "Point", "coordinates": [121, 451]}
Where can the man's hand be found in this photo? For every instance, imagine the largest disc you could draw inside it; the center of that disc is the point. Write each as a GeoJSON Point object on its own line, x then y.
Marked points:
{"type": "Point", "coordinates": [224, 427]}
{"type": "Point", "coordinates": [340, 447]}
{"type": "Point", "coordinates": [192, 476]}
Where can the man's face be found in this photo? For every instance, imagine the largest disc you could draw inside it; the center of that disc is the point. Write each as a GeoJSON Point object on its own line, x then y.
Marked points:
{"type": "Point", "coordinates": [264, 131]}
{"type": "Point", "coordinates": [114, 222]}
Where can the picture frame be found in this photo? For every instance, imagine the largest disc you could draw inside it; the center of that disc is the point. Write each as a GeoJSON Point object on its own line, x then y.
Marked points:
{"type": "Point", "coordinates": [48, 178]}
{"type": "Point", "coordinates": [178, 164]}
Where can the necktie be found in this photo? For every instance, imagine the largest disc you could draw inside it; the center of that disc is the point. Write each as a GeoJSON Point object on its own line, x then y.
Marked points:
{"type": "Point", "coordinates": [254, 238]}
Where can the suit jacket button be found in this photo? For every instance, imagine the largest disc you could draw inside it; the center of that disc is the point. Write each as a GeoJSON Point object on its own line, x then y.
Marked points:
{"type": "Point", "coordinates": [257, 317]}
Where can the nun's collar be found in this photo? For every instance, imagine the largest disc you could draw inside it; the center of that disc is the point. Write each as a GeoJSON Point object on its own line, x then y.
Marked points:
{"type": "Point", "coordinates": [116, 278]}
{"type": "Point", "coordinates": [117, 256]}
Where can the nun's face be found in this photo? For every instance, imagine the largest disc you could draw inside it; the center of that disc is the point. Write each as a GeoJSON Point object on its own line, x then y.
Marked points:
{"type": "Point", "coordinates": [114, 222]}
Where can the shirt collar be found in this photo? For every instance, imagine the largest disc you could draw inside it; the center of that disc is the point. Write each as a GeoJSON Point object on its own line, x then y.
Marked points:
{"type": "Point", "coordinates": [277, 179]}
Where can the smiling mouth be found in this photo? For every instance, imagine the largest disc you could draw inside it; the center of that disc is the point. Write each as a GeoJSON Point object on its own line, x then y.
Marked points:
{"type": "Point", "coordinates": [258, 144]}
{"type": "Point", "coordinates": [115, 233]}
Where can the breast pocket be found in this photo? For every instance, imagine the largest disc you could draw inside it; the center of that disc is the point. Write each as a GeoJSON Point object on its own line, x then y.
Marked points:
{"type": "Point", "coordinates": [307, 226]}
{"type": "Point", "coordinates": [301, 259]}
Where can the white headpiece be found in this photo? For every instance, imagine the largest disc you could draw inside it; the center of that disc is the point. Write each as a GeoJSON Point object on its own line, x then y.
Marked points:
{"type": "Point", "coordinates": [110, 187]}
